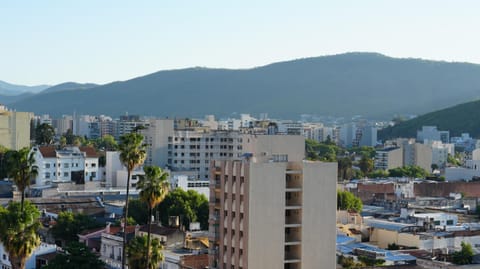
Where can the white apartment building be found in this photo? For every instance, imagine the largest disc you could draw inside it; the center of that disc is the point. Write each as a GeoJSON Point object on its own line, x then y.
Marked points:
{"type": "Point", "coordinates": [187, 183]}
{"type": "Point", "coordinates": [14, 128]}
{"type": "Point", "coordinates": [71, 164]}
{"type": "Point", "coordinates": [272, 209]}
{"type": "Point", "coordinates": [116, 173]}
{"type": "Point", "coordinates": [191, 150]}
{"type": "Point", "coordinates": [432, 133]}
{"type": "Point", "coordinates": [440, 152]}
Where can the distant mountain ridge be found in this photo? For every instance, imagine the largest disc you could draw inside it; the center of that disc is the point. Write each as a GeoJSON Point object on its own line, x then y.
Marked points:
{"type": "Point", "coordinates": [463, 118]}
{"type": "Point", "coordinates": [14, 89]}
{"type": "Point", "coordinates": [69, 86]}
{"type": "Point", "coordinates": [368, 84]}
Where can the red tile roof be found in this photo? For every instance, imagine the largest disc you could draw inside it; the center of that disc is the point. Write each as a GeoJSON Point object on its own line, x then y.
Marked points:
{"type": "Point", "coordinates": [47, 151]}
{"type": "Point", "coordinates": [118, 229]}
{"type": "Point", "coordinates": [89, 151]}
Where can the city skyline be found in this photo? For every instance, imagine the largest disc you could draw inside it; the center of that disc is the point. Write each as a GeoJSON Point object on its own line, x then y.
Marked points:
{"type": "Point", "coordinates": [51, 43]}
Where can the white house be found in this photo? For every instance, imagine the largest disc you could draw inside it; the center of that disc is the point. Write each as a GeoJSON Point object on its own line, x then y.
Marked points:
{"type": "Point", "coordinates": [77, 164]}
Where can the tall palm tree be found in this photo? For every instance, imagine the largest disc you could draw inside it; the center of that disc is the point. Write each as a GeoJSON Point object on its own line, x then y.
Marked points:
{"type": "Point", "coordinates": [22, 169]}
{"type": "Point", "coordinates": [153, 189]}
{"type": "Point", "coordinates": [136, 251]}
{"type": "Point", "coordinates": [18, 232]}
{"type": "Point", "coordinates": [132, 154]}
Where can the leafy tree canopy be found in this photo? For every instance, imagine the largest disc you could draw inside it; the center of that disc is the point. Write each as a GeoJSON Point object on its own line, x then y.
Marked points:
{"type": "Point", "coordinates": [465, 255]}
{"type": "Point", "coordinates": [326, 151]}
{"type": "Point", "coordinates": [347, 201]}
{"type": "Point", "coordinates": [412, 171]}
{"type": "Point", "coordinates": [44, 134]}
{"type": "Point", "coordinates": [190, 206]}
{"type": "Point", "coordinates": [76, 255]}
{"type": "Point", "coordinates": [69, 225]}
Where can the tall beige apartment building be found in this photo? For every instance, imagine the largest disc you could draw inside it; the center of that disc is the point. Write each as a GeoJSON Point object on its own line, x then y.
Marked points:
{"type": "Point", "coordinates": [14, 128]}
{"type": "Point", "coordinates": [272, 209]}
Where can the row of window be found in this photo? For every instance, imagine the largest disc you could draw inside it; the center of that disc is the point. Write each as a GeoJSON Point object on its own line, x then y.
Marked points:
{"type": "Point", "coordinates": [67, 165]}
{"type": "Point", "coordinates": [206, 139]}
{"type": "Point", "coordinates": [67, 174]}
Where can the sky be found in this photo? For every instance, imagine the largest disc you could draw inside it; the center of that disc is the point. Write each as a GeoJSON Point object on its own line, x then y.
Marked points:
{"type": "Point", "coordinates": [50, 42]}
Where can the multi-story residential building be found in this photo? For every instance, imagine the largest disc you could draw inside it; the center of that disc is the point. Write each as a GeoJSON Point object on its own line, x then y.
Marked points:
{"type": "Point", "coordinates": [127, 124]}
{"type": "Point", "coordinates": [272, 209]}
{"type": "Point", "coordinates": [14, 128]}
{"type": "Point", "coordinates": [192, 149]}
{"type": "Point", "coordinates": [71, 164]}
{"type": "Point", "coordinates": [187, 183]}
{"type": "Point", "coordinates": [432, 133]}
{"type": "Point", "coordinates": [389, 158]}
{"type": "Point", "coordinates": [63, 124]}
{"type": "Point", "coordinates": [440, 152]}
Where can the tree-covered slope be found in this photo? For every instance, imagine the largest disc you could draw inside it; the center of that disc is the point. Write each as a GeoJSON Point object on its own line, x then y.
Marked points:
{"type": "Point", "coordinates": [463, 118]}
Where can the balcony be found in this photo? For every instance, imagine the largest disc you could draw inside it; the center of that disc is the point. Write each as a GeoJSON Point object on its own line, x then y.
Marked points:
{"type": "Point", "coordinates": [293, 236]}
{"type": "Point", "coordinates": [293, 181]}
{"type": "Point", "coordinates": [293, 254]}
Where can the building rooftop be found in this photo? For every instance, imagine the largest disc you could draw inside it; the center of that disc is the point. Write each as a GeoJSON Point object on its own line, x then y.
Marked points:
{"type": "Point", "coordinates": [385, 224]}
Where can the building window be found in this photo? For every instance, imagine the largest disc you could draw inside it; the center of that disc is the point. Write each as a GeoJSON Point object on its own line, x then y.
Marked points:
{"type": "Point", "coordinates": [94, 174]}
{"type": "Point", "coordinates": [65, 174]}
{"type": "Point", "coordinates": [94, 164]}
{"type": "Point", "coordinates": [47, 175]}
{"type": "Point", "coordinates": [47, 165]}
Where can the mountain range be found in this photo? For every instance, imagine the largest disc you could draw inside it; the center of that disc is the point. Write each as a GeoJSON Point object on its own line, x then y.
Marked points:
{"type": "Point", "coordinates": [368, 84]}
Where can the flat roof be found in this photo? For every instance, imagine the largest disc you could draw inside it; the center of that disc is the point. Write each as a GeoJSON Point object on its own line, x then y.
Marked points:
{"type": "Point", "coordinates": [386, 225]}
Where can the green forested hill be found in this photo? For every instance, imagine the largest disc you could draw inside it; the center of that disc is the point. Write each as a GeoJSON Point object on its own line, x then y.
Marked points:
{"type": "Point", "coordinates": [463, 118]}
{"type": "Point", "coordinates": [367, 84]}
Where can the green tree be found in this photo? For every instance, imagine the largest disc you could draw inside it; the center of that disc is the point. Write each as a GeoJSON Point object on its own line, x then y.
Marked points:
{"type": "Point", "coordinates": [347, 201]}
{"type": "Point", "coordinates": [412, 171]}
{"type": "Point", "coordinates": [18, 231]}
{"type": "Point", "coordinates": [434, 167]}
{"type": "Point", "coordinates": [153, 189]}
{"type": "Point", "coordinates": [107, 142]}
{"type": "Point", "coordinates": [132, 155]}
{"type": "Point", "coordinates": [139, 211]}
{"type": "Point", "coordinates": [62, 141]}
{"type": "Point", "coordinates": [378, 174]}
{"type": "Point", "coordinates": [465, 255]}
{"type": "Point", "coordinates": [76, 255]}
{"type": "Point", "coordinates": [345, 168]}
{"type": "Point", "coordinates": [366, 164]}
{"type": "Point", "coordinates": [322, 151]}
{"type": "Point", "coordinates": [190, 206]}
{"type": "Point", "coordinates": [44, 134]}
{"type": "Point", "coordinates": [453, 160]}
{"type": "Point", "coordinates": [22, 169]}
{"type": "Point", "coordinates": [69, 225]}
{"type": "Point", "coordinates": [136, 251]}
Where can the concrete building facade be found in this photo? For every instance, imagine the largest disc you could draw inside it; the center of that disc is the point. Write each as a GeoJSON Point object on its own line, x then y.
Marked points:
{"type": "Point", "coordinates": [266, 211]}
{"type": "Point", "coordinates": [14, 128]}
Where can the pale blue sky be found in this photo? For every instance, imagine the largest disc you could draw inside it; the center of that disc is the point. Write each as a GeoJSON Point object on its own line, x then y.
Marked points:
{"type": "Point", "coordinates": [49, 42]}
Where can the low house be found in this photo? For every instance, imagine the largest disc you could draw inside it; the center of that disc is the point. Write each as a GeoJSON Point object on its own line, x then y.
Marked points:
{"type": "Point", "coordinates": [112, 244]}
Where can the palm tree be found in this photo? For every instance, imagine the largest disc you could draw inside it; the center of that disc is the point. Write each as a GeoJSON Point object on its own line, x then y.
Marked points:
{"type": "Point", "coordinates": [153, 189]}
{"type": "Point", "coordinates": [132, 155]}
{"type": "Point", "coordinates": [22, 169]}
{"type": "Point", "coordinates": [18, 232]}
{"type": "Point", "coordinates": [136, 251]}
